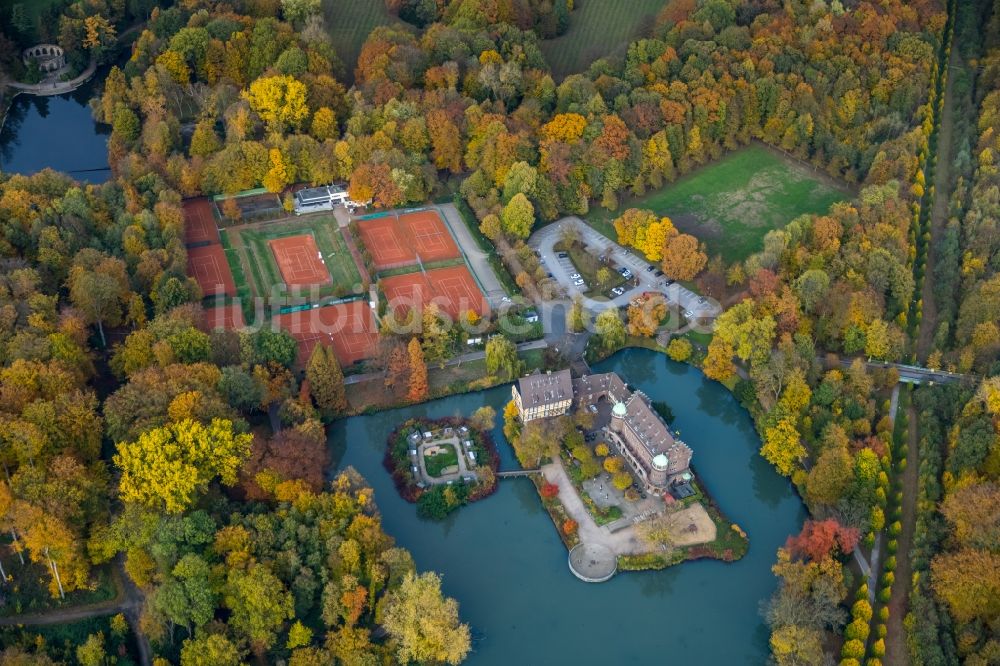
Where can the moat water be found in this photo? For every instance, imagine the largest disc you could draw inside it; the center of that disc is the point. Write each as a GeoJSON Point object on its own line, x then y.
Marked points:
{"type": "Point", "coordinates": [503, 561]}
{"type": "Point", "coordinates": [57, 132]}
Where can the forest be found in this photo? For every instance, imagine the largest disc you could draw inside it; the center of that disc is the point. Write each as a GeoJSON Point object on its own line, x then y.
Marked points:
{"type": "Point", "coordinates": [133, 433]}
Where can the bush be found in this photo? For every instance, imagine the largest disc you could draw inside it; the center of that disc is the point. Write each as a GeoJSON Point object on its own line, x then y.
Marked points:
{"type": "Point", "coordinates": [862, 593]}
{"type": "Point", "coordinates": [679, 349]}
{"type": "Point", "coordinates": [892, 546]}
{"type": "Point", "coordinates": [602, 450]}
{"type": "Point", "coordinates": [857, 630]}
{"type": "Point", "coordinates": [549, 490]}
{"type": "Point", "coordinates": [881, 630]}
{"type": "Point", "coordinates": [885, 594]}
{"type": "Point", "coordinates": [883, 614]}
{"type": "Point", "coordinates": [862, 609]}
{"type": "Point", "coordinates": [878, 648]}
{"type": "Point", "coordinates": [569, 526]}
{"type": "Point", "coordinates": [895, 529]}
{"type": "Point", "coordinates": [890, 563]}
{"type": "Point", "coordinates": [853, 649]}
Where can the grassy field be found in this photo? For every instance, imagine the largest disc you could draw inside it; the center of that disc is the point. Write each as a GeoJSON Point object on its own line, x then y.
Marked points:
{"type": "Point", "coordinates": [264, 271]}
{"type": "Point", "coordinates": [349, 23]}
{"type": "Point", "coordinates": [444, 459]}
{"type": "Point", "coordinates": [598, 28]}
{"type": "Point", "coordinates": [731, 204]}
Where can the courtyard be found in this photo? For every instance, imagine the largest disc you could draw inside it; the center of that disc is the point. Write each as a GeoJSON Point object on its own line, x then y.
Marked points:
{"type": "Point", "coordinates": [441, 457]}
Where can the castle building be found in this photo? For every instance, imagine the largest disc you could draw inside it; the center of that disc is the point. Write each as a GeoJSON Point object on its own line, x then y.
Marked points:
{"type": "Point", "coordinates": [636, 432]}
{"type": "Point", "coordinates": [542, 395]}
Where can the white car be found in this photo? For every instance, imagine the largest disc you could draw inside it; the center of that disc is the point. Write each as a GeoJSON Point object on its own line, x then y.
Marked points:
{"type": "Point", "coordinates": [574, 276]}
{"type": "Point", "coordinates": [617, 291]}
{"type": "Point", "coordinates": [688, 314]}
{"type": "Point", "coordinates": [579, 283]}
{"type": "Point", "coordinates": [593, 409]}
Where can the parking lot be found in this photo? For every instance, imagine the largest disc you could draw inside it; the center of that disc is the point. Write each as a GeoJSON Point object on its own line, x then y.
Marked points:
{"type": "Point", "coordinates": [644, 275]}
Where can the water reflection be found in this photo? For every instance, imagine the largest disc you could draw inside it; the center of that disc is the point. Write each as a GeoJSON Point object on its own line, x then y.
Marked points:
{"type": "Point", "coordinates": [56, 132]}
{"type": "Point", "coordinates": [503, 560]}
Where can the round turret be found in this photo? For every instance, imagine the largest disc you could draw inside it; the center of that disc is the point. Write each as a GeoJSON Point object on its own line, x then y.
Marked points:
{"type": "Point", "coordinates": [619, 410]}
{"type": "Point", "coordinates": [661, 462]}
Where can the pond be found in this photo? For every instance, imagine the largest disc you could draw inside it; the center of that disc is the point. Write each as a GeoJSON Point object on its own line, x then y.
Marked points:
{"type": "Point", "coordinates": [58, 132]}
{"type": "Point", "coordinates": [503, 561]}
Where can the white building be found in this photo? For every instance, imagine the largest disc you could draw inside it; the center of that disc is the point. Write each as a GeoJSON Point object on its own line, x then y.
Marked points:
{"type": "Point", "coordinates": [314, 199]}
{"type": "Point", "coordinates": [539, 396]}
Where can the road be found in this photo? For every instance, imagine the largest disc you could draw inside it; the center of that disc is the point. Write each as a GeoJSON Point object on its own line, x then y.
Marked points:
{"type": "Point", "coordinates": [128, 600]}
{"type": "Point", "coordinates": [544, 240]}
{"type": "Point", "coordinates": [470, 356]}
{"type": "Point", "coordinates": [909, 374]}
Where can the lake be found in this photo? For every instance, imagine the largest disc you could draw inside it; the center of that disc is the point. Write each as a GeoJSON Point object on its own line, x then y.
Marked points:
{"type": "Point", "coordinates": [58, 132]}
{"type": "Point", "coordinates": [503, 561]}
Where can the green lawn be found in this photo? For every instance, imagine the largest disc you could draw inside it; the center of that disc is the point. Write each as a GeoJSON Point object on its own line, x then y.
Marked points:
{"type": "Point", "coordinates": [445, 458]}
{"type": "Point", "coordinates": [598, 28]}
{"type": "Point", "coordinates": [344, 274]}
{"type": "Point", "coordinates": [349, 23]}
{"type": "Point", "coordinates": [731, 204]}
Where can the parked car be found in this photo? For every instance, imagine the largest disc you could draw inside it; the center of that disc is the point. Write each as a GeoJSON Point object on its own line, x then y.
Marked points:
{"type": "Point", "coordinates": [593, 409]}
{"type": "Point", "coordinates": [574, 276]}
{"type": "Point", "coordinates": [688, 314]}
{"type": "Point", "coordinates": [579, 283]}
{"type": "Point", "coordinates": [701, 300]}
{"type": "Point", "coordinates": [650, 268]}
{"type": "Point", "coordinates": [669, 282]}
{"type": "Point", "coordinates": [617, 291]}
{"type": "Point", "coordinates": [562, 255]}
{"type": "Point", "coordinates": [626, 273]}
{"type": "Point", "coordinates": [658, 273]}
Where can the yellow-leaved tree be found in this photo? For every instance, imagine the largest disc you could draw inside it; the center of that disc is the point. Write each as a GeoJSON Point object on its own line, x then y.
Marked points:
{"type": "Point", "coordinates": [165, 468]}
{"type": "Point", "coordinates": [280, 101]}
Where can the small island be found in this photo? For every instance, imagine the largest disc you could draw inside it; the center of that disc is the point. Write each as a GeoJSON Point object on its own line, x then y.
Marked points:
{"type": "Point", "coordinates": [443, 464]}
{"type": "Point", "coordinates": [616, 480]}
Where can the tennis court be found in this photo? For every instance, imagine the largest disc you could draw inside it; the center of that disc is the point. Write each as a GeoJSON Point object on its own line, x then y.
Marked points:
{"type": "Point", "coordinates": [397, 241]}
{"type": "Point", "coordinates": [208, 265]}
{"type": "Point", "coordinates": [431, 239]}
{"type": "Point", "coordinates": [199, 223]}
{"type": "Point", "coordinates": [299, 260]}
{"type": "Point", "coordinates": [348, 327]}
{"type": "Point", "coordinates": [453, 290]}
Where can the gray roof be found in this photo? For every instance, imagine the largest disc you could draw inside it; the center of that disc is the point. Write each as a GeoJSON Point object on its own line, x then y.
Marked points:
{"type": "Point", "coordinates": [640, 418]}
{"type": "Point", "coordinates": [539, 389]}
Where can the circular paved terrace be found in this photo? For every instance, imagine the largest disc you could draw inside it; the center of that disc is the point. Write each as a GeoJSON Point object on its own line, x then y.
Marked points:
{"type": "Point", "coordinates": [592, 562]}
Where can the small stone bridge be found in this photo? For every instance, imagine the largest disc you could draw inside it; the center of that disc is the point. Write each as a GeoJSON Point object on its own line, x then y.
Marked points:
{"type": "Point", "coordinates": [514, 473]}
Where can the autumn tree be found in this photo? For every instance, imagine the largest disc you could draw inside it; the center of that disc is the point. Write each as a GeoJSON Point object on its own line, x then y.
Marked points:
{"type": "Point", "coordinates": [398, 365]}
{"type": "Point", "coordinates": [501, 357]}
{"type": "Point", "coordinates": [260, 605]}
{"type": "Point", "coordinates": [683, 257]}
{"type": "Point", "coordinates": [99, 288]}
{"type": "Point", "coordinates": [610, 329]}
{"type": "Point", "coordinates": [576, 317]}
{"type": "Point", "coordinates": [280, 101]}
{"type": "Point", "coordinates": [167, 467]}
{"type": "Point", "coordinates": [679, 349]}
{"type": "Point", "coordinates": [518, 217]}
{"type": "Point", "coordinates": [782, 446]}
{"type": "Point", "coordinates": [326, 380]}
{"type": "Point", "coordinates": [418, 388]}
{"type": "Point", "coordinates": [424, 622]}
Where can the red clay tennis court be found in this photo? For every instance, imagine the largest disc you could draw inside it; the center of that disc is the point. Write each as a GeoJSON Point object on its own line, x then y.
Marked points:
{"type": "Point", "coordinates": [208, 265]}
{"type": "Point", "coordinates": [229, 317]}
{"type": "Point", "coordinates": [299, 261]}
{"type": "Point", "coordinates": [452, 289]}
{"type": "Point", "coordinates": [431, 239]}
{"type": "Point", "coordinates": [348, 327]}
{"type": "Point", "coordinates": [394, 242]}
{"type": "Point", "coordinates": [199, 223]}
